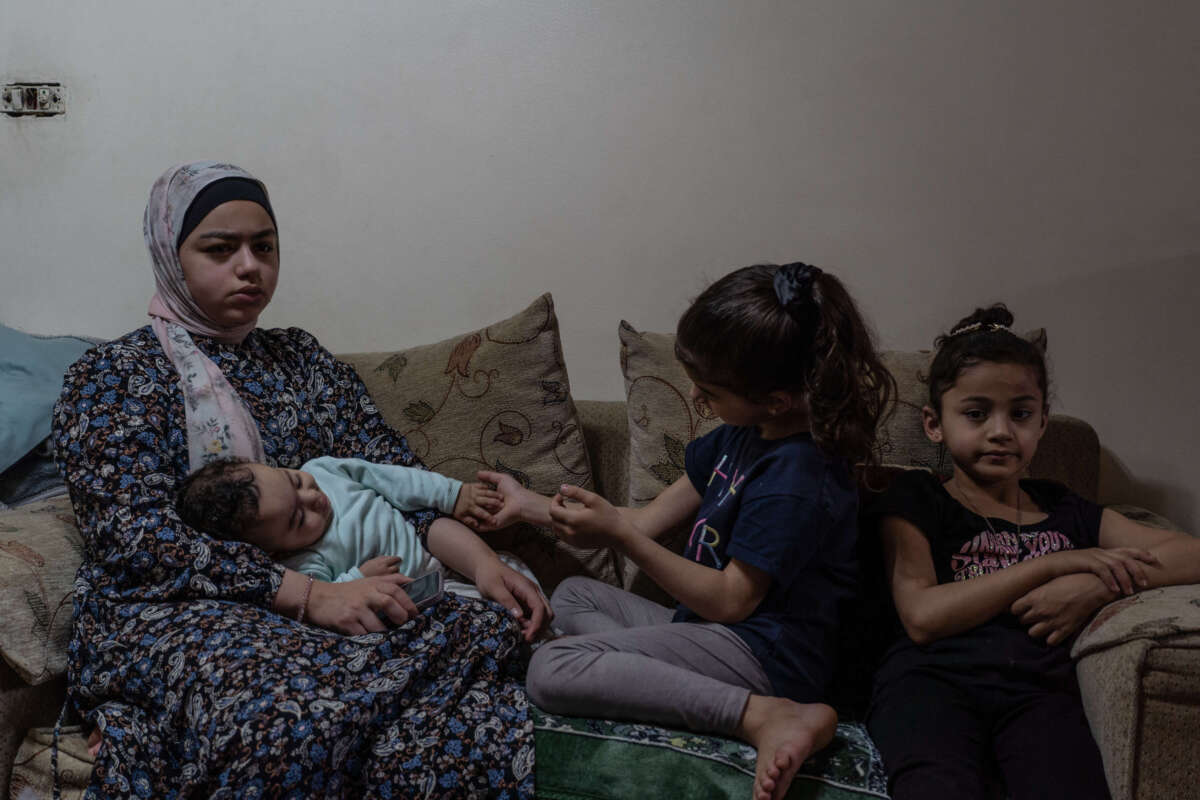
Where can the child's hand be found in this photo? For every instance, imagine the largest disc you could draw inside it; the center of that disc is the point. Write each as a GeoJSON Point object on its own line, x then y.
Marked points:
{"type": "Point", "coordinates": [583, 518]}
{"type": "Point", "coordinates": [476, 504]}
{"type": "Point", "coordinates": [380, 565]}
{"type": "Point", "coordinates": [515, 500]}
{"type": "Point", "coordinates": [500, 582]}
{"type": "Point", "coordinates": [1058, 608]}
{"type": "Point", "coordinates": [1119, 567]}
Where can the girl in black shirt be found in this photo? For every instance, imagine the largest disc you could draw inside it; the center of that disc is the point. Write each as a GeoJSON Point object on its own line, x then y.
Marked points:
{"type": "Point", "coordinates": [991, 576]}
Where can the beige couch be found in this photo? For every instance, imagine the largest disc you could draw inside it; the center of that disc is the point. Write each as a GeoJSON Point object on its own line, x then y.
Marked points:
{"type": "Point", "coordinates": [1139, 658]}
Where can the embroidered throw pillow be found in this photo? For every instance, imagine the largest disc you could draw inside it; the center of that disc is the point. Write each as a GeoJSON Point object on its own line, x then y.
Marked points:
{"type": "Point", "coordinates": [495, 398]}
{"type": "Point", "coordinates": [663, 417]}
{"type": "Point", "coordinates": [40, 551]}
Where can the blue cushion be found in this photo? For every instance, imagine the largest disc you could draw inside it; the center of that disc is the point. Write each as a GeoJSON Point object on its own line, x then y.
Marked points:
{"type": "Point", "coordinates": [31, 377]}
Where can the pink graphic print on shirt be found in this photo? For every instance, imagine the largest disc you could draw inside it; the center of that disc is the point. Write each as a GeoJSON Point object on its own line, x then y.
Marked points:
{"type": "Point", "coordinates": [705, 538]}
{"type": "Point", "coordinates": [988, 552]}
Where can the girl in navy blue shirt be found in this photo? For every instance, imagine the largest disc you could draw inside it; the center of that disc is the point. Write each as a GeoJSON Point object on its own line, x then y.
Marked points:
{"type": "Point", "coordinates": [783, 357]}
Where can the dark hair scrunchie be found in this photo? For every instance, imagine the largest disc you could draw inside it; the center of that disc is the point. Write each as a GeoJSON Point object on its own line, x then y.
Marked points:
{"type": "Point", "coordinates": [793, 286]}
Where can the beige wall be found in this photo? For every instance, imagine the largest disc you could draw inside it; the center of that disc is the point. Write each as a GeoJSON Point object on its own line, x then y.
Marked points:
{"type": "Point", "coordinates": [435, 165]}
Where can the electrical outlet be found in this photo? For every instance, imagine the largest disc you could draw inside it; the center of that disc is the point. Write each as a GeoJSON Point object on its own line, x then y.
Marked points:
{"type": "Point", "coordinates": [33, 99]}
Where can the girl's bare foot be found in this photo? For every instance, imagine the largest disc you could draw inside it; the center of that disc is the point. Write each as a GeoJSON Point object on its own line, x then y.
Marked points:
{"type": "Point", "coordinates": [785, 733]}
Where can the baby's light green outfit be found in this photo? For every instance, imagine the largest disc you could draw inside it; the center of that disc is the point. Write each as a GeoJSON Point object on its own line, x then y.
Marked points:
{"type": "Point", "coordinates": [367, 499]}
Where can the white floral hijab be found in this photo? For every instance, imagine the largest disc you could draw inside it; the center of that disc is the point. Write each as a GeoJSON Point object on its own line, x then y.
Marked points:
{"type": "Point", "coordinates": [219, 424]}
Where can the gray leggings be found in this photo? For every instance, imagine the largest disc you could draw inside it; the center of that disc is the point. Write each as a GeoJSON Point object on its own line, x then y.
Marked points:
{"type": "Point", "coordinates": [625, 659]}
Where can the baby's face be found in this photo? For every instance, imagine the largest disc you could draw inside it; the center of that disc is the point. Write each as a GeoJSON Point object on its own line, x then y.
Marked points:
{"type": "Point", "coordinates": [292, 511]}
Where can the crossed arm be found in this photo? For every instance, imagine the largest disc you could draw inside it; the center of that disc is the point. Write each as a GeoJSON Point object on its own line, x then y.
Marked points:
{"type": "Point", "coordinates": [1053, 594]}
{"type": "Point", "coordinates": [585, 519]}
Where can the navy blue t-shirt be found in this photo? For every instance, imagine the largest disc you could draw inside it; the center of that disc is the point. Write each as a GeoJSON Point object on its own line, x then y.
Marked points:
{"type": "Point", "coordinates": [785, 507]}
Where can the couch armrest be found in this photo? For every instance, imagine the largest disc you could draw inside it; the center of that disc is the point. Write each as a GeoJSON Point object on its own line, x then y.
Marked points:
{"type": "Point", "coordinates": [1137, 662]}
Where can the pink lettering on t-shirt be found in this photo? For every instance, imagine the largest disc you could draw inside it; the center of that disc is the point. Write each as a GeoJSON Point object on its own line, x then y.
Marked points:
{"type": "Point", "coordinates": [990, 551]}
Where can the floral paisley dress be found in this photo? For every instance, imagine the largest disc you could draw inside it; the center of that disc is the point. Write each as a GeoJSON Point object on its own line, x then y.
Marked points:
{"type": "Point", "coordinates": [199, 687]}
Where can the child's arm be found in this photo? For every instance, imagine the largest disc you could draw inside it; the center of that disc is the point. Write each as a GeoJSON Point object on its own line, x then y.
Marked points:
{"type": "Point", "coordinates": [517, 504]}
{"type": "Point", "coordinates": [1060, 607]}
{"type": "Point", "coordinates": [458, 548]}
{"type": "Point", "coordinates": [1177, 554]}
{"type": "Point", "coordinates": [725, 595]}
{"type": "Point", "coordinates": [405, 488]}
{"type": "Point", "coordinates": [930, 611]}
{"type": "Point", "coordinates": [674, 505]}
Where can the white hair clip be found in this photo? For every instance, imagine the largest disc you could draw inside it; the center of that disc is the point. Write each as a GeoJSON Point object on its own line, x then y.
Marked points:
{"type": "Point", "coordinates": [975, 326]}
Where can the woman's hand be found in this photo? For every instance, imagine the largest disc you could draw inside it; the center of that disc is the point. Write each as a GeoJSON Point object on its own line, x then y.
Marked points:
{"type": "Point", "coordinates": [476, 504]}
{"type": "Point", "coordinates": [585, 519]}
{"type": "Point", "coordinates": [1058, 608]}
{"type": "Point", "coordinates": [517, 504]}
{"type": "Point", "coordinates": [500, 582]}
{"type": "Point", "coordinates": [360, 606]}
{"type": "Point", "coordinates": [1119, 567]}
{"type": "Point", "coordinates": [380, 565]}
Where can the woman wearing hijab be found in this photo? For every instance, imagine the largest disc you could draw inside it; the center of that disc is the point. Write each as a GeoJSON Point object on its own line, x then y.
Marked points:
{"type": "Point", "coordinates": [208, 668]}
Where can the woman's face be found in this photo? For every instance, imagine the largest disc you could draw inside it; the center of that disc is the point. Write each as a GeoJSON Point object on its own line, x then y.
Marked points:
{"type": "Point", "coordinates": [231, 262]}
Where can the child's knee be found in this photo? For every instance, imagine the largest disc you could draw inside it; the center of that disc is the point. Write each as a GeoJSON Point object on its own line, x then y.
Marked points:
{"type": "Point", "coordinates": [573, 593]}
{"type": "Point", "coordinates": [549, 672]}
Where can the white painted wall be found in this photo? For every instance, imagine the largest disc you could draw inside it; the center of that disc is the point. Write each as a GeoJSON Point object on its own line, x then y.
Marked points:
{"type": "Point", "coordinates": [436, 165]}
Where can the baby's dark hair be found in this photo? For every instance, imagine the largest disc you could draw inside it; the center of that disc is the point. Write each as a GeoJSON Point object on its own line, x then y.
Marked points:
{"type": "Point", "coordinates": [794, 328]}
{"type": "Point", "coordinates": [984, 336]}
{"type": "Point", "coordinates": [219, 498]}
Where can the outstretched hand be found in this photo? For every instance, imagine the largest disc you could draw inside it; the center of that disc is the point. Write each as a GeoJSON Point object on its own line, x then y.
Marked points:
{"type": "Point", "coordinates": [515, 501]}
{"type": "Point", "coordinates": [360, 606]}
{"type": "Point", "coordinates": [500, 582]}
{"type": "Point", "coordinates": [476, 504]}
{"type": "Point", "coordinates": [583, 518]}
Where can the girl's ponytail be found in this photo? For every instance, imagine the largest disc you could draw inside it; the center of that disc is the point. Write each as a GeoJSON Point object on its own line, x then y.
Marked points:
{"type": "Point", "coordinates": [849, 389]}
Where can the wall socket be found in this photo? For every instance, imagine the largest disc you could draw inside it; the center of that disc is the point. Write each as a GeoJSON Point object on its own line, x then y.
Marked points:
{"type": "Point", "coordinates": [33, 99]}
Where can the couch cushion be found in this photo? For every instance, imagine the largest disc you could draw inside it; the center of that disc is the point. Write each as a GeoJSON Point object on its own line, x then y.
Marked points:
{"type": "Point", "coordinates": [578, 759]}
{"type": "Point", "coordinates": [591, 759]}
{"type": "Point", "coordinates": [495, 398]}
{"type": "Point", "coordinates": [33, 775]}
{"type": "Point", "coordinates": [901, 440]}
{"type": "Point", "coordinates": [40, 551]}
{"type": "Point", "coordinates": [663, 418]}
{"type": "Point", "coordinates": [31, 375]}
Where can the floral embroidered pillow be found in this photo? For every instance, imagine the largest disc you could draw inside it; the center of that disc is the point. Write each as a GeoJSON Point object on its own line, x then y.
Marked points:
{"type": "Point", "coordinates": [495, 398]}
{"type": "Point", "coordinates": [40, 551]}
{"type": "Point", "coordinates": [663, 417]}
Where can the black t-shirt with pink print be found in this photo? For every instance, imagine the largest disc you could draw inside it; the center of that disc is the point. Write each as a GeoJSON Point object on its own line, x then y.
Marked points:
{"type": "Point", "coordinates": [963, 546]}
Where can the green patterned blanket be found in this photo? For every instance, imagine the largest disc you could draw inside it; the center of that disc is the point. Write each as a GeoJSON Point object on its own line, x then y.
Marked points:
{"type": "Point", "coordinates": [592, 759]}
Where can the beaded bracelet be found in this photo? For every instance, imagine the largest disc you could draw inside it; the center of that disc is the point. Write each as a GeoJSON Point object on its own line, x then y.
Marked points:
{"type": "Point", "coordinates": [304, 602]}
